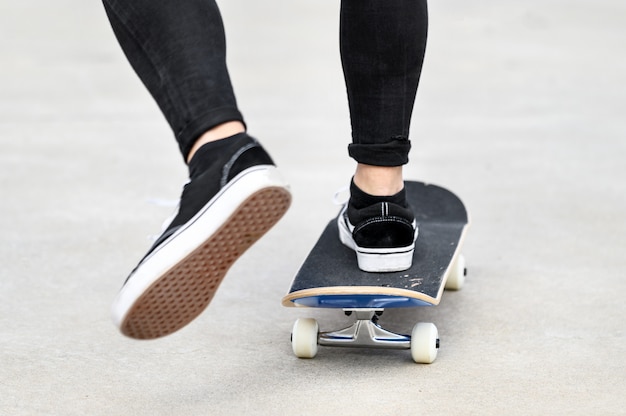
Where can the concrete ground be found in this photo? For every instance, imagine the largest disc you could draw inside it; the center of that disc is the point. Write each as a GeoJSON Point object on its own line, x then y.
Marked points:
{"type": "Point", "coordinates": [520, 111]}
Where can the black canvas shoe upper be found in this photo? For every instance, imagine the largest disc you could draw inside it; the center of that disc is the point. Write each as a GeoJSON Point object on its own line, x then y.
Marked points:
{"type": "Point", "coordinates": [210, 169]}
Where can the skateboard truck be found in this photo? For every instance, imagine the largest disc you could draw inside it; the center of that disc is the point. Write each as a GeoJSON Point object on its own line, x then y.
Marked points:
{"type": "Point", "coordinates": [365, 333]}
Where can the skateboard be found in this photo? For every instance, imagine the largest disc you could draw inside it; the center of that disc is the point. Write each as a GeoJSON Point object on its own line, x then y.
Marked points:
{"type": "Point", "coordinates": [330, 278]}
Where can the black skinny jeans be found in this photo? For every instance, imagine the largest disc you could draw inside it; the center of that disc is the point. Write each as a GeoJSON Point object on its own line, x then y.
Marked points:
{"type": "Point", "coordinates": [178, 49]}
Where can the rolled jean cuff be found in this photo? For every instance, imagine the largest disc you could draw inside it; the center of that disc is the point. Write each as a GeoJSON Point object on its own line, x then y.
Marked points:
{"type": "Point", "coordinates": [394, 153]}
{"type": "Point", "coordinates": [196, 128]}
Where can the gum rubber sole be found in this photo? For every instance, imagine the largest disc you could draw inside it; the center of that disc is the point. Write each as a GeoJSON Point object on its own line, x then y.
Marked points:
{"type": "Point", "coordinates": [186, 289]}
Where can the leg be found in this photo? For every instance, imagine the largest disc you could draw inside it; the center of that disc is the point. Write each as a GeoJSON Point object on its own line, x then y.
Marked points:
{"type": "Point", "coordinates": [234, 195]}
{"type": "Point", "coordinates": [382, 49]}
{"type": "Point", "coordinates": [178, 49]}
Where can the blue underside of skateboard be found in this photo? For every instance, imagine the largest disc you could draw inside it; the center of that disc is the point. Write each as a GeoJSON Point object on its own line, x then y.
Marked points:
{"type": "Point", "coordinates": [360, 302]}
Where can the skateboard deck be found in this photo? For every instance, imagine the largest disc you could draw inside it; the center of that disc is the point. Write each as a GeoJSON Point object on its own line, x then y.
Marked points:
{"type": "Point", "coordinates": [330, 278]}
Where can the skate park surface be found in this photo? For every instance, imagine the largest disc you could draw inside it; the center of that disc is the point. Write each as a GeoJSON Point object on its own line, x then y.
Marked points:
{"type": "Point", "coordinates": [519, 112]}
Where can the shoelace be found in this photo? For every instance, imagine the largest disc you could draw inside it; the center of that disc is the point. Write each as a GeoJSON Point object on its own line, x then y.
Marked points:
{"type": "Point", "coordinates": [168, 203]}
{"type": "Point", "coordinates": [343, 191]}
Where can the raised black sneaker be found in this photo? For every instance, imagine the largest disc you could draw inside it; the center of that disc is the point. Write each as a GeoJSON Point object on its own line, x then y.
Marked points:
{"type": "Point", "coordinates": [381, 230]}
{"type": "Point", "coordinates": [234, 195]}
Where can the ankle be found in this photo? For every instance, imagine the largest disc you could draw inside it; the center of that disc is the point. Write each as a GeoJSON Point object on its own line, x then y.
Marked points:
{"type": "Point", "coordinates": [221, 131]}
{"type": "Point", "coordinates": [379, 180]}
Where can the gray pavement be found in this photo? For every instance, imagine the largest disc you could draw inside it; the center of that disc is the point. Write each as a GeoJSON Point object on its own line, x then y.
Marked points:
{"type": "Point", "coordinates": [520, 111]}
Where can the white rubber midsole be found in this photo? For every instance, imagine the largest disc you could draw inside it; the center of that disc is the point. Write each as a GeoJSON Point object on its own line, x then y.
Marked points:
{"type": "Point", "coordinates": [194, 233]}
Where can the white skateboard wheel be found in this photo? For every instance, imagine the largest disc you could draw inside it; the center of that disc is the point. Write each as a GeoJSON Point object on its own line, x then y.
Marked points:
{"type": "Point", "coordinates": [456, 276]}
{"type": "Point", "coordinates": [424, 343]}
{"type": "Point", "coordinates": [304, 338]}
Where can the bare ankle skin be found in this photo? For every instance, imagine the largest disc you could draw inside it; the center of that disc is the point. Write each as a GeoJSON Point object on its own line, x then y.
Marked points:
{"type": "Point", "coordinates": [379, 180]}
{"type": "Point", "coordinates": [221, 131]}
